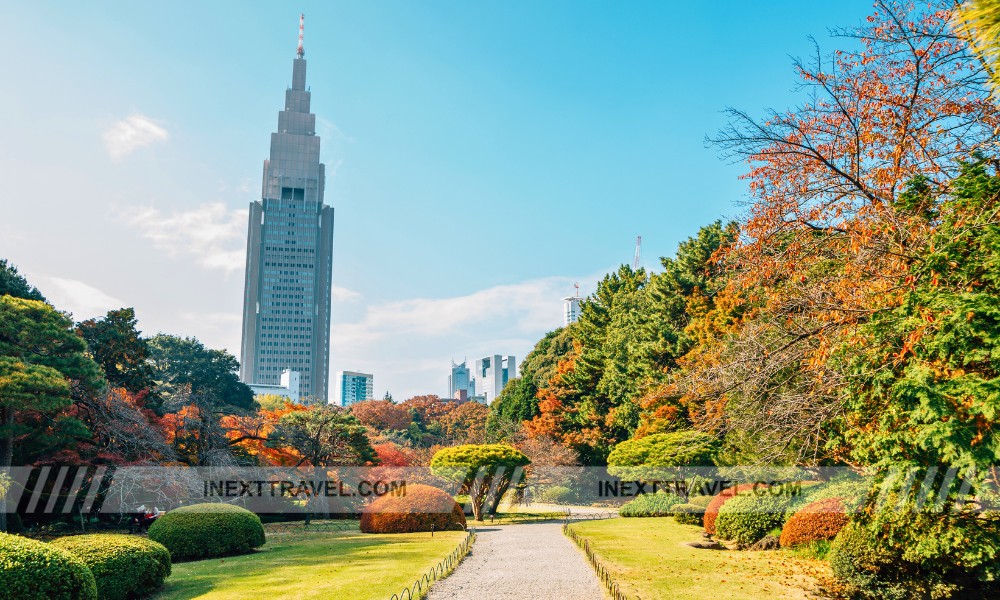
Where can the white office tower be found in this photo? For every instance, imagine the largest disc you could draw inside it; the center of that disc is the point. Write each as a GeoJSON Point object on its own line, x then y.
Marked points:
{"type": "Point", "coordinates": [492, 374]}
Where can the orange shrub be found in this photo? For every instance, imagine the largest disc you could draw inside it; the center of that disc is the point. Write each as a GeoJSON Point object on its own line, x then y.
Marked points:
{"type": "Point", "coordinates": [419, 509]}
{"type": "Point", "coordinates": [816, 521]}
{"type": "Point", "coordinates": [712, 511]}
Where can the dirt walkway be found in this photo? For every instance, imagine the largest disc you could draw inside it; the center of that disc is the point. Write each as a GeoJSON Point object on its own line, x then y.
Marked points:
{"type": "Point", "coordinates": [531, 560]}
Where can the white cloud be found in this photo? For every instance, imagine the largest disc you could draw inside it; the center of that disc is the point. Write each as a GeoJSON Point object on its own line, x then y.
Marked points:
{"type": "Point", "coordinates": [341, 294]}
{"type": "Point", "coordinates": [130, 134]}
{"type": "Point", "coordinates": [408, 344]}
{"type": "Point", "coordinates": [212, 234]}
{"type": "Point", "coordinates": [522, 307]}
{"type": "Point", "coordinates": [77, 297]}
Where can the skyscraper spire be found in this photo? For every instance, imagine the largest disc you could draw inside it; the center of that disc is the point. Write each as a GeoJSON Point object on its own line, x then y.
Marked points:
{"type": "Point", "coordinates": [302, 28]}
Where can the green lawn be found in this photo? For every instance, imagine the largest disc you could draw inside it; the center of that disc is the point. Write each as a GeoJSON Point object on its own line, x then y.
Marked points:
{"type": "Point", "coordinates": [649, 560]}
{"type": "Point", "coordinates": [347, 564]}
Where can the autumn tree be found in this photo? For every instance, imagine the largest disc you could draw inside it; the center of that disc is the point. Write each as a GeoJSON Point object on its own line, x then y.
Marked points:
{"type": "Point", "coordinates": [323, 436]}
{"type": "Point", "coordinates": [381, 415]}
{"type": "Point", "coordinates": [979, 22]}
{"type": "Point", "coordinates": [827, 245]}
{"type": "Point", "coordinates": [466, 424]}
{"type": "Point", "coordinates": [425, 428]}
{"type": "Point", "coordinates": [251, 433]}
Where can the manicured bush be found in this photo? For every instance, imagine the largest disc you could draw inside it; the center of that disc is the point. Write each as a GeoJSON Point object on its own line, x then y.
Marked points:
{"type": "Point", "coordinates": [421, 508]}
{"type": "Point", "coordinates": [817, 521]}
{"type": "Point", "coordinates": [861, 564]}
{"type": "Point", "coordinates": [206, 530]}
{"type": "Point", "coordinates": [749, 517]}
{"type": "Point", "coordinates": [688, 514]}
{"type": "Point", "coordinates": [650, 505]}
{"type": "Point", "coordinates": [556, 494]}
{"type": "Point", "coordinates": [32, 569]}
{"type": "Point", "coordinates": [124, 566]}
{"type": "Point", "coordinates": [663, 455]}
{"type": "Point", "coordinates": [700, 501]}
{"type": "Point", "coordinates": [712, 510]}
{"type": "Point", "coordinates": [902, 552]}
{"type": "Point", "coordinates": [482, 470]}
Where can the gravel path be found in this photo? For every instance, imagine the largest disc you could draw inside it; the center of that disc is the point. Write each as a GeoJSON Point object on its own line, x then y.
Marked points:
{"type": "Point", "coordinates": [530, 560]}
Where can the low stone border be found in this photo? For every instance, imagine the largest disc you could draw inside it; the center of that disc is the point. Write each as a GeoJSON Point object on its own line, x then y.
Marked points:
{"type": "Point", "coordinates": [444, 568]}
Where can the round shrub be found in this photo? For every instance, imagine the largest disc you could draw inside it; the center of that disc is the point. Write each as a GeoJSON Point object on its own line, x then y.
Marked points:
{"type": "Point", "coordinates": [557, 494]}
{"type": "Point", "coordinates": [688, 514]}
{"type": "Point", "coordinates": [421, 508]}
{"type": "Point", "coordinates": [700, 501]}
{"type": "Point", "coordinates": [124, 566]}
{"type": "Point", "coordinates": [712, 510]}
{"type": "Point", "coordinates": [814, 522]}
{"type": "Point", "coordinates": [206, 530]}
{"type": "Point", "coordinates": [858, 561]}
{"type": "Point", "coordinates": [650, 505]}
{"type": "Point", "coordinates": [32, 569]}
{"type": "Point", "coordinates": [747, 518]}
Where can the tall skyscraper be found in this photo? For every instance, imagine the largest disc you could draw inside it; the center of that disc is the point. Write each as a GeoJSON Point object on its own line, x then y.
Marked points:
{"type": "Point", "coordinates": [286, 306]}
{"type": "Point", "coordinates": [492, 374]}
{"type": "Point", "coordinates": [460, 379]}
{"type": "Point", "coordinates": [571, 307]}
{"type": "Point", "coordinates": [354, 387]}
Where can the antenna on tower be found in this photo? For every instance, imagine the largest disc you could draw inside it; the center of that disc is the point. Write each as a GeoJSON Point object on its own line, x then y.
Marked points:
{"type": "Point", "coordinates": [302, 29]}
{"type": "Point", "coordinates": [638, 253]}
{"type": "Point", "coordinates": [577, 286]}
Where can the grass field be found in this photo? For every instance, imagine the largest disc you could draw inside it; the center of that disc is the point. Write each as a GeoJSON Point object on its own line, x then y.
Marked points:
{"type": "Point", "coordinates": [347, 564]}
{"type": "Point", "coordinates": [649, 560]}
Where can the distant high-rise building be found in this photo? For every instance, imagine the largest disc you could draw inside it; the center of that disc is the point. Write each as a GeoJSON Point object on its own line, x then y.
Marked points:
{"type": "Point", "coordinates": [286, 306]}
{"type": "Point", "coordinates": [571, 307]}
{"type": "Point", "coordinates": [289, 387]}
{"type": "Point", "coordinates": [492, 374]}
{"type": "Point", "coordinates": [460, 379]}
{"type": "Point", "coordinates": [354, 387]}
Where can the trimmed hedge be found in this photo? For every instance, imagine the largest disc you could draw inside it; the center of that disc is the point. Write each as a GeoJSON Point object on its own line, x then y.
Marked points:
{"type": "Point", "coordinates": [650, 505]}
{"type": "Point", "coordinates": [207, 530]}
{"type": "Point", "coordinates": [123, 565]}
{"type": "Point", "coordinates": [748, 518]}
{"type": "Point", "coordinates": [557, 494]}
{"type": "Point", "coordinates": [689, 514]}
{"type": "Point", "coordinates": [858, 561]}
{"type": "Point", "coordinates": [718, 500]}
{"type": "Point", "coordinates": [817, 521]}
{"type": "Point", "coordinates": [421, 508]}
{"type": "Point", "coordinates": [700, 501]}
{"type": "Point", "coordinates": [32, 569]}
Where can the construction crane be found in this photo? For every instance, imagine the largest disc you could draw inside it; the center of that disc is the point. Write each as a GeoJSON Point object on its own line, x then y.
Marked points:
{"type": "Point", "coordinates": [638, 253]}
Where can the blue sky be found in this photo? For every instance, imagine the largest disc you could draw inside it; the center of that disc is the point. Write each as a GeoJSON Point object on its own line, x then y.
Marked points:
{"type": "Point", "coordinates": [481, 156]}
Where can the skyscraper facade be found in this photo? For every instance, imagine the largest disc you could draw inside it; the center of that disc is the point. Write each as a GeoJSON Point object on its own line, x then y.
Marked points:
{"type": "Point", "coordinates": [286, 305]}
{"type": "Point", "coordinates": [353, 387]}
{"type": "Point", "coordinates": [571, 307]}
{"type": "Point", "coordinates": [492, 374]}
{"type": "Point", "coordinates": [460, 379]}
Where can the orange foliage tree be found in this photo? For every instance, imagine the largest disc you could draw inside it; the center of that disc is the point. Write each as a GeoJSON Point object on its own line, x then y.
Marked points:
{"type": "Point", "coordinates": [827, 243]}
{"type": "Point", "coordinates": [249, 433]}
{"type": "Point", "coordinates": [381, 415]}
